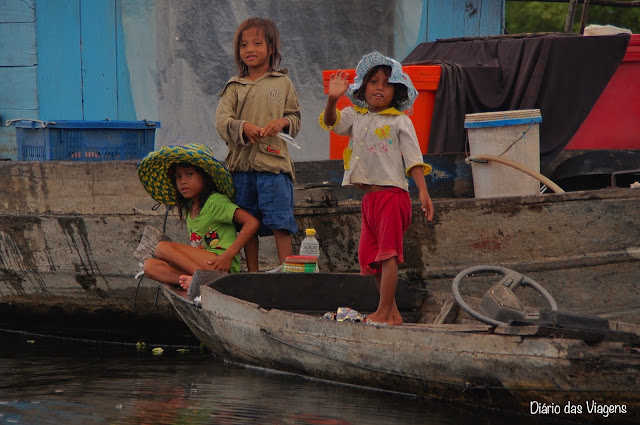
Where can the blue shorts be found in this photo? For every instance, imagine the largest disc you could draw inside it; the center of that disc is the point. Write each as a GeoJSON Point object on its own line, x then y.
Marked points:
{"type": "Point", "coordinates": [268, 197]}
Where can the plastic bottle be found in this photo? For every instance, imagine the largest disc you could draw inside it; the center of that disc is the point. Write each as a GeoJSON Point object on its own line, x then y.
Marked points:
{"type": "Point", "coordinates": [310, 245]}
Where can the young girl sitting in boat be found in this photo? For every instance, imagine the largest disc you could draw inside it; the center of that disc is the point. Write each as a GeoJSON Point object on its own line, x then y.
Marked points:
{"type": "Point", "coordinates": [201, 188]}
{"type": "Point", "coordinates": [383, 149]}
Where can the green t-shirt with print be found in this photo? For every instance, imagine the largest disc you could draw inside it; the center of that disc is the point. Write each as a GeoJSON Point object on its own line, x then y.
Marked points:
{"type": "Point", "coordinates": [213, 229]}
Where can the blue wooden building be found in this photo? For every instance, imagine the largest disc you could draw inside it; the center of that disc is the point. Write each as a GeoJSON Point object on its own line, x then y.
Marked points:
{"type": "Point", "coordinates": [62, 60]}
{"type": "Point", "coordinates": [162, 60]}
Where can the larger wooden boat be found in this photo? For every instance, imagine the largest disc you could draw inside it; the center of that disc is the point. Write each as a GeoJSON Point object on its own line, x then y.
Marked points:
{"type": "Point", "coordinates": [68, 232]}
{"type": "Point", "coordinates": [554, 365]}
{"type": "Point", "coordinates": [584, 245]}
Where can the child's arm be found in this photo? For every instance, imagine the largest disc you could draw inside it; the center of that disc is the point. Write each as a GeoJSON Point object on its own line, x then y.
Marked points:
{"type": "Point", "coordinates": [412, 156]}
{"type": "Point", "coordinates": [292, 111]}
{"type": "Point", "coordinates": [229, 127]}
{"type": "Point", "coordinates": [417, 173]}
{"type": "Point", "coordinates": [249, 228]}
{"type": "Point", "coordinates": [233, 130]}
{"type": "Point", "coordinates": [338, 85]}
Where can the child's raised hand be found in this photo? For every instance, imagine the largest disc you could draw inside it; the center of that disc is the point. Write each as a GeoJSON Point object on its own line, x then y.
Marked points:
{"type": "Point", "coordinates": [338, 84]}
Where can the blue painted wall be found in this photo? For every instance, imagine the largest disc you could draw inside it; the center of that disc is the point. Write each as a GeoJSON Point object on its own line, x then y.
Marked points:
{"type": "Point", "coordinates": [461, 18]}
{"type": "Point", "coordinates": [18, 65]}
{"type": "Point", "coordinates": [82, 72]}
{"type": "Point", "coordinates": [61, 60]}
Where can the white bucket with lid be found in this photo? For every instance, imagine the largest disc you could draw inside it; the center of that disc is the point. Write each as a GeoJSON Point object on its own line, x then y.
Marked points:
{"type": "Point", "coordinates": [512, 135]}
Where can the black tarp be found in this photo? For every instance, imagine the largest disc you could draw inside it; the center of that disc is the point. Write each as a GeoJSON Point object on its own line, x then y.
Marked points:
{"type": "Point", "coordinates": [561, 74]}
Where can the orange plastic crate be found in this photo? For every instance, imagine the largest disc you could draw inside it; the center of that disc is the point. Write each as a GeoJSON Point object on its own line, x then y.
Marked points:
{"type": "Point", "coordinates": [425, 79]}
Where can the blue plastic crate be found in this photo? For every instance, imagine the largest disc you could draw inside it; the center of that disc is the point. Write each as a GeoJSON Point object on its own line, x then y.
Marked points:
{"type": "Point", "coordinates": [83, 140]}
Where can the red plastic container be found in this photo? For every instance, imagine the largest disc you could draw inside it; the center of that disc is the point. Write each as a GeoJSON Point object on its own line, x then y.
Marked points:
{"type": "Point", "coordinates": [614, 121]}
{"type": "Point", "coordinates": [425, 79]}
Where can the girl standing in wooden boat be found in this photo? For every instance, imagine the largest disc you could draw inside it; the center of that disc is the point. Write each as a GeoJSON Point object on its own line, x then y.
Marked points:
{"type": "Point", "coordinates": [255, 106]}
{"type": "Point", "coordinates": [383, 150]}
{"type": "Point", "coordinates": [201, 188]}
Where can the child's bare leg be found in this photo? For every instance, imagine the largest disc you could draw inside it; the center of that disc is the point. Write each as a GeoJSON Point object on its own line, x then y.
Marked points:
{"type": "Point", "coordinates": [387, 282]}
{"type": "Point", "coordinates": [176, 263]}
{"type": "Point", "coordinates": [251, 254]}
{"type": "Point", "coordinates": [161, 271]}
{"type": "Point", "coordinates": [174, 254]}
{"type": "Point", "coordinates": [283, 244]}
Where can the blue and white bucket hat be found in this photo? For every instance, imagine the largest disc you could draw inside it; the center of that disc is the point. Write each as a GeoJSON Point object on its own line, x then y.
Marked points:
{"type": "Point", "coordinates": [397, 76]}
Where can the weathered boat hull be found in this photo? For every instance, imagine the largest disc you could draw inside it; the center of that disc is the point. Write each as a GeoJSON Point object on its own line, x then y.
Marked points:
{"type": "Point", "coordinates": [67, 235]}
{"type": "Point", "coordinates": [459, 363]}
{"type": "Point", "coordinates": [68, 231]}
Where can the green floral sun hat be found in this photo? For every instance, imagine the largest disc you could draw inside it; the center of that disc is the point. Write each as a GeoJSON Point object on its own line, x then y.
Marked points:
{"type": "Point", "coordinates": [154, 176]}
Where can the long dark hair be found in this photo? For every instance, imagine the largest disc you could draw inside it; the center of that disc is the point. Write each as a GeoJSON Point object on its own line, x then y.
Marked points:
{"type": "Point", "coordinates": [271, 35]}
{"type": "Point", "coordinates": [400, 91]}
{"type": "Point", "coordinates": [181, 201]}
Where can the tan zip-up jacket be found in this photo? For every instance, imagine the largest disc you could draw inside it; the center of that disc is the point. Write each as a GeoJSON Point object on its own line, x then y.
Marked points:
{"type": "Point", "coordinates": [259, 102]}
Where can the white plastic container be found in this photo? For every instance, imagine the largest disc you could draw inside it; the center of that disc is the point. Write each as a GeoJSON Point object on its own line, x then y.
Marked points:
{"type": "Point", "coordinates": [512, 135]}
{"type": "Point", "coordinates": [310, 245]}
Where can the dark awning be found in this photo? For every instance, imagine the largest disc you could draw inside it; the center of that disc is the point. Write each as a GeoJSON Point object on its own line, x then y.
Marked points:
{"type": "Point", "coordinates": [561, 74]}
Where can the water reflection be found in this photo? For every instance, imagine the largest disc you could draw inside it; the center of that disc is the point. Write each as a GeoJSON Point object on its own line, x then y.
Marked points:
{"type": "Point", "coordinates": [52, 382]}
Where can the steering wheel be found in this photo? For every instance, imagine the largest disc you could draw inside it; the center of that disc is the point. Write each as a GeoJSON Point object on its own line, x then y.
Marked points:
{"type": "Point", "coordinates": [499, 292]}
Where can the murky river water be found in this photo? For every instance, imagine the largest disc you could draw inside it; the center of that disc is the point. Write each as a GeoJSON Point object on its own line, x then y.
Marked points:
{"type": "Point", "coordinates": [55, 381]}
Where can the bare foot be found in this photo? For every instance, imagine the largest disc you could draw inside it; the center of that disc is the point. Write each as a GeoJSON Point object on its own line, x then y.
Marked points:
{"type": "Point", "coordinates": [185, 281]}
{"type": "Point", "coordinates": [397, 318]}
{"type": "Point", "coordinates": [391, 320]}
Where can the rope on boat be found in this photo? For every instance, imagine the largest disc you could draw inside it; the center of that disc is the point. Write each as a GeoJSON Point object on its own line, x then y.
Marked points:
{"type": "Point", "coordinates": [141, 274]}
{"type": "Point", "coordinates": [465, 386]}
{"type": "Point", "coordinates": [96, 342]}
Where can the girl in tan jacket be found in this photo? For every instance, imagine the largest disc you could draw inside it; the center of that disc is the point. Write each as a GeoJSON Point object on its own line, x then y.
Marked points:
{"type": "Point", "coordinates": [254, 107]}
